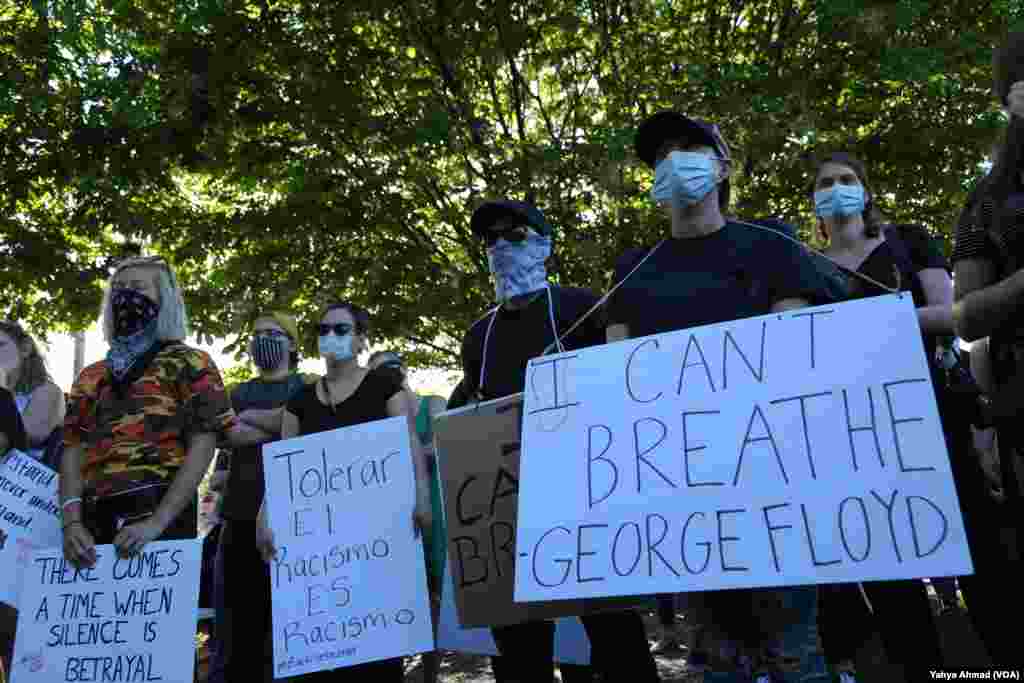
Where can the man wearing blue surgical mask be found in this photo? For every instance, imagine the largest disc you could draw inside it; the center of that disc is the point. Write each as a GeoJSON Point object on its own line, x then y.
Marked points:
{"type": "Point", "coordinates": [709, 270]}
{"type": "Point", "coordinates": [531, 316]}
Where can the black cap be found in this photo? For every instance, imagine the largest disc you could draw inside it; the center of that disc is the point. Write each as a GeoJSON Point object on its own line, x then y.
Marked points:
{"type": "Point", "coordinates": [491, 212]}
{"type": "Point", "coordinates": [671, 124]}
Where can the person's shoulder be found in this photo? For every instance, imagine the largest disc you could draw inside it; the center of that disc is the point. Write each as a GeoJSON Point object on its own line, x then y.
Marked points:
{"type": "Point", "coordinates": [576, 295]}
{"type": "Point", "coordinates": [479, 326]}
{"type": "Point", "coordinates": [629, 258]}
{"type": "Point", "coordinates": [48, 390]}
{"type": "Point", "coordinates": [90, 376]}
{"type": "Point", "coordinates": [389, 379]}
{"type": "Point", "coordinates": [184, 354]}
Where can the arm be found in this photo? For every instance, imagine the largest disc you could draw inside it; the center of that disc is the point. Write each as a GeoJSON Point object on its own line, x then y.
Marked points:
{"type": "Point", "coordinates": [265, 420]}
{"type": "Point", "coordinates": [617, 332]}
{"type": "Point", "coordinates": [399, 406]}
{"type": "Point", "coordinates": [264, 536]}
{"type": "Point", "coordinates": [791, 304]}
{"type": "Point", "coordinates": [983, 305]}
{"type": "Point", "coordinates": [44, 413]}
{"type": "Point", "coordinates": [936, 316]}
{"type": "Point", "coordinates": [244, 434]}
{"type": "Point", "coordinates": [131, 539]}
{"type": "Point", "coordinates": [79, 545]}
{"type": "Point", "coordinates": [981, 366]}
{"type": "Point", "coordinates": [289, 424]}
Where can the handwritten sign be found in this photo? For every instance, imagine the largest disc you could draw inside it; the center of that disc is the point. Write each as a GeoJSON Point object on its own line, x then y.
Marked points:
{"type": "Point", "coordinates": [125, 619]}
{"type": "Point", "coordinates": [571, 643]}
{"type": "Point", "coordinates": [787, 449]}
{"type": "Point", "coordinates": [478, 455]}
{"type": "Point", "coordinates": [349, 583]}
{"type": "Point", "coordinates": [30, 517]}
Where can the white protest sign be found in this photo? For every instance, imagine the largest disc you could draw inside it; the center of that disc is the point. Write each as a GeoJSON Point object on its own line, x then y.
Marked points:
{"type": "Point", "coordinates": [124, 619]}
{"type": "Point", "coordinates": [571, 643]}
{"type": "Point", "coordinates": [786, 449]}
{"type": "Point", "coordinates": [349, 583]}
{"type": "Point", "coordinates": [30, 517]}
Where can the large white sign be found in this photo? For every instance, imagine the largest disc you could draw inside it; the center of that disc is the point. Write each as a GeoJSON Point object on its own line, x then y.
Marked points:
{"type": "Point", "coordinates": [571, 643]}
{"type": "Point", "coordinates": [349, 583]}
{"type": "Point", "coordinates": [124, 619]}
{"type": "Point", "coordinates": [30, 517]}
{"type": "Point", "coordinates": [786, 449]}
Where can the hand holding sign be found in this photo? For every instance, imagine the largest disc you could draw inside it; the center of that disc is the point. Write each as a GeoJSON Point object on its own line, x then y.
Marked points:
{"type": "Point", "coordinates": [132, 538]}
{"type": "Point", "coordinates": [79, 545]}
{"type": "Point", "coordinates": [264, 536]}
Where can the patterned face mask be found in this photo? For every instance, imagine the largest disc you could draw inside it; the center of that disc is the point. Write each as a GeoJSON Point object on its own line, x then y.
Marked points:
{"type": "Point", "coordinates": [269, 352]}
{"type": "Point", "coordinates": [134, 321]}
{"type": "Point", "coordinates": [518, 267]}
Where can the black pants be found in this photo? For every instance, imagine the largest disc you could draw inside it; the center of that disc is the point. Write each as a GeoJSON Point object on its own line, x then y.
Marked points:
{"type": "Point", "coordinates": [903, 617]}
{"type": "Point", "coordinates": [618, 647]}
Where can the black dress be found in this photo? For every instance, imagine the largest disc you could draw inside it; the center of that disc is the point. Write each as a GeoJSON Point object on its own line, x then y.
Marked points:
{"type": "Point", "coordinates": [366, 404]}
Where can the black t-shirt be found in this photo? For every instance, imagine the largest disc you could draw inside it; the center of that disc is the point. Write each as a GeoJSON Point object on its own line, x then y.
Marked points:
{"type": "Point", "coordinates": [368, 403]}
{"type": "Point", "coordinates": [521, 334]}
{"type": "Point", "coordinates": [736, 272]}
{"type": "Point", "coordinates": [10, 421]}
{"type": "Point", "coordinates": [245, 465]}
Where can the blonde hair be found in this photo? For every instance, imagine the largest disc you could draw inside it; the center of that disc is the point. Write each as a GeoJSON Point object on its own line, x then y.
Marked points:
{"type": "Point", "coordinates": [172, 322]}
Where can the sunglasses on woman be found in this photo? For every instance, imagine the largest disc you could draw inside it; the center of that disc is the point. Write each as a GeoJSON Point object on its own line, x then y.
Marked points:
{"type": "Point", "coordinates": [340, 329]}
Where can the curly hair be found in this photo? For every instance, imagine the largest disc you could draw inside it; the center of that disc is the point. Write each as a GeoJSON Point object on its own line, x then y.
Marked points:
{"type": "Point", "coordinates": [33, 372]}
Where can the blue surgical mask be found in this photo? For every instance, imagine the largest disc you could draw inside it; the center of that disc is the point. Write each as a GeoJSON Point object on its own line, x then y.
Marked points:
{"type": "Point", "coordinates": [839, 200]}
{"type": "Point", "coordinates": [336, 347]}
{"type": "Point", "coordinates": [684, 177]}
{"type": "Point", "coordinates": [518, 267]}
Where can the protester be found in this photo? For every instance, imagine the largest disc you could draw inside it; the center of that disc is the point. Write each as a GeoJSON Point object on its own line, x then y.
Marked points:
{"type": "Point", "coordinates": [738, 271]}
{"type": "Point", "coordinates": [889, 258]}
{"type": "Point", "coordinates": [531, 316]}
{"type": "Point", "coordinates": [242, 579]}
{"type": "Point", "coordinates": [141, 424]}
{"type": "Point", "coordinates": [349, 395]}
{"type": "Point", "coordinates": [426, 407]}
{"type": "Point", "coordinates": [988, 258]}
{"type": "Point", "coordinates": [12, 436]}
{"type": "Point", "coordinates": [40, 401]}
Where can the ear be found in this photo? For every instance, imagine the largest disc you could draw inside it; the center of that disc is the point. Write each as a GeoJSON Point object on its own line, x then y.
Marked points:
{"type": "Point", "coordinates": [823, 231]}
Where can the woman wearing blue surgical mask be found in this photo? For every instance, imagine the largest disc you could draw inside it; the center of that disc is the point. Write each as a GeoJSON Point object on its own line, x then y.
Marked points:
{"type": "Point", "coordinates": [903, 258]}
{"type": "Point", "coordinates": [348, 395]}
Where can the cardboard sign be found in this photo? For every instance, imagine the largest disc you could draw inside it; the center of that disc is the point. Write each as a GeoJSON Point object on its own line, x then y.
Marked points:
{"type": "Point", "coordinates": [571, 643]}
{"type": "Point", "coordinates": [30, 517]}
{"type": "Point", "coordinates": [788, 449]}
{"type": "Point", "coordinates": [130, 619]}
{"type": "Point", "coordinates": [478, 457]}
{"type": "Point", "coordinates": [349, 582]}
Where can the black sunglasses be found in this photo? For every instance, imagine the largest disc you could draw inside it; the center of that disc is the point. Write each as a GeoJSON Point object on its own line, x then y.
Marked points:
{"type": "Point", "coordinates": [340, 329]}
{"type": "Point", "coordinates": [512, 234]}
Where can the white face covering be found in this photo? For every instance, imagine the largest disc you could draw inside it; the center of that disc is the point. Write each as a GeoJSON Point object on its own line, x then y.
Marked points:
{"type": "Point", "coordinates": [333, 346]}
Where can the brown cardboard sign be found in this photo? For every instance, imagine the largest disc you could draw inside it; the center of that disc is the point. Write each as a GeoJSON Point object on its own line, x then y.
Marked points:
{"type": "Point", "coordinates": [478, 456]}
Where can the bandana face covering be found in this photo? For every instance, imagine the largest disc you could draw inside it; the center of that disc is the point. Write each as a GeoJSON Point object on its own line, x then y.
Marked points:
{"type": "Point", "coordinates": [269, 352]}
{"type": "Point", "coordinates": [518, 267]}
{"type": "Point", "coordinates": [135, 320]}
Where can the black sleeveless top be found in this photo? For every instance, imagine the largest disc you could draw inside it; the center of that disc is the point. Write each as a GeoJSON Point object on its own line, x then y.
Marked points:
{"type": "Point", "coordinates": [368, 403]}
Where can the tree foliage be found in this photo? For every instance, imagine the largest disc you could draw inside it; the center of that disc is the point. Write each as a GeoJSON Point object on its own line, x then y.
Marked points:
{"type": "Point", "coordinates": [291, 152]}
